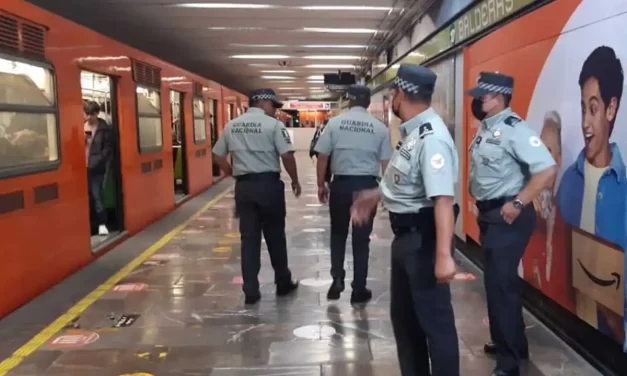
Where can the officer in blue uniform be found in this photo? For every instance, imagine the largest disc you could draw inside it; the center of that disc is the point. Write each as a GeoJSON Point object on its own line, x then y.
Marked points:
{"type": "Point", "coordinates": [255, 141]}
{"type": "Point", "coordinates": [418, 189]}
{"type": "Point", "coordinates": [360, 145]}
{"type": "Point", "coordinates": [509, 167]}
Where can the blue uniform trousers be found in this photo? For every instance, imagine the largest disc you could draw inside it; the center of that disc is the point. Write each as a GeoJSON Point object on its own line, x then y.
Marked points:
{"type": "Point", "coordinates": [342, 192]}
{"type": "Point", "coordinates": [260, 202]}
{"type": "Point", "coordinates": [504, 246]}
{"type": "Point", "coordinates": [421, 310]}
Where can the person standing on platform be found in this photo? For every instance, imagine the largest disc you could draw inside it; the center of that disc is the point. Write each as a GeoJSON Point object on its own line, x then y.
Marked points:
{"type": "Point", "coordinates": [312, 152]}
{"type": "Point", "coordinates": [360, 145]}
{"type": "Point", "coordinates": [255, 141]}
{"type": "Point", "coordinates": [418, 189]}
{"type": "Point", "coordinates": [509, 167]}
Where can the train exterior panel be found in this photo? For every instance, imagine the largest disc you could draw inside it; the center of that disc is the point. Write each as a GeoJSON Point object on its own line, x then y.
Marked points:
{"type": "Point", "coordinates": [44, 211]}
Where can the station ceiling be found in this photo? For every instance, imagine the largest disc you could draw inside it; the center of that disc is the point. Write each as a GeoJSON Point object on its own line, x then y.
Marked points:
{"type": "Point", "coordinates": [246, 44]}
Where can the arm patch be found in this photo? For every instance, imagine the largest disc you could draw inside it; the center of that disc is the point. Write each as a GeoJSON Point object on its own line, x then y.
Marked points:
{"type": "Point", "coordinates": [512, 120]}
{"type": "Point", "coordinates": [286, 135]}
{"type": "Point", "coordinates": [425, 129]}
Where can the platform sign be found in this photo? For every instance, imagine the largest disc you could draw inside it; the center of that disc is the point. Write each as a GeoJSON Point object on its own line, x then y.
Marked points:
{"type": "Point", "coordinates": [73, 339]}
{"type": "Point", "coordinates": [307, 106]}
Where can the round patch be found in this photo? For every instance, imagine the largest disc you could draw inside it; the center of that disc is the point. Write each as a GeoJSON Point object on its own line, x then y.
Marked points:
{"type": "Point", "coordinates": [535, 141]}
{"type": "Point", "coordinates": [313, 230]}
{"type": "Point", "coordinates": [437, 161]}
{"type": "Point", "coordinates": [496, 133]}
{"type": "Point", "coordinates": [315, 282]}
{"type": "Point", "coordinates": [314, 332]}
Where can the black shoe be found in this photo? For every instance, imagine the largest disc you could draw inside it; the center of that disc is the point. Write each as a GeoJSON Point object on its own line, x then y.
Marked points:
{"type": "Point", "coordinates": [361, 296]}
{"type": "Point", "coordinates": [490, 349]}
{"type": "Point", "coordinates": [509, 372]}
{"type": "Point", "coordinates": [252, 299]}
{"type": "Point", "coordinates": [286, 288]}
{"type": "Point", "coordinates": [337, 287]}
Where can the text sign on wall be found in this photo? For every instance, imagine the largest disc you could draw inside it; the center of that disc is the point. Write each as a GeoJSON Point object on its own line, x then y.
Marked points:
{"type": "Point", "coordinates": [307, 106]}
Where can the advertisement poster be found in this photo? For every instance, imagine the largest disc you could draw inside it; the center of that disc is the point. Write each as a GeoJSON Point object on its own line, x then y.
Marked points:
{"type": "Point", "coordinates": [569, 81]}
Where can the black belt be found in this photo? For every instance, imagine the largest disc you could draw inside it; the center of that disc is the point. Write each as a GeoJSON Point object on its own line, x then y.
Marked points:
{"type": "Point", "coordinates": [423, 221]}
{"type": "Point", "coordinates": [487, 205]}
{"type": "Point", "coordinates": [258, 176]}
{"type": "Point", "coordinates": [354, 177]}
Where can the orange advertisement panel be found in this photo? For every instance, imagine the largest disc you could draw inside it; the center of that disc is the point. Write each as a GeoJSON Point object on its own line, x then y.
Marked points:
{"type": "Point", "coordinates": [568, 59]}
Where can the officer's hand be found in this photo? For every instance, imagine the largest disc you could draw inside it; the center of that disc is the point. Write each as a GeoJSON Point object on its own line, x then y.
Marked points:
{"type": "Point", "coordinates": [323, 194]}
{"type": "Point", "coordinates": [509, 213]}
{"type": "Point", "coordinates": [296, 189]}
{"type": "Point", "coordinates": [363, 205]}
{"type": "Point", "coordinates": [445, 269]}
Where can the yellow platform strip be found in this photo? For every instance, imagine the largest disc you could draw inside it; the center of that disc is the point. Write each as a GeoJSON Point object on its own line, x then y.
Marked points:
{"type": "Point", "coordinates": [52, 329]}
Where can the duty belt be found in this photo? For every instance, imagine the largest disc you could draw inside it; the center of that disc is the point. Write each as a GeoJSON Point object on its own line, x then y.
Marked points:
{"type": "Point", "coordinates": [258, 176]}
{"type": "Point", "coordinates": [423, 221]}
{"type": "Point", "coordinates": [487, 205]}
{"type": "Point", "coordinates": [355, 177]}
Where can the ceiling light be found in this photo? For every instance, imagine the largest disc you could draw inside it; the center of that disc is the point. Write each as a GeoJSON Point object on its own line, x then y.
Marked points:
{"type": "Point", "coordinates": [278, 71]}
{"type": "Point", "coordinates": [291, 88]}
{"type": "Point", "coordinates": [277, 78]}
{"type": "Point", "coordinates": [223, 6]}
{"type": "Point", "coordinates": [339, 30]}
{"type": "Point", "coordinates": [331, 57]}
{"type": "Point", "coordinates": [238, 28]}
{"type": "Point", "coordinates": [315, 81]}
{"type": "Point", "coordinates": [334, 46]}
{"type": "Point", "coordinates": [344, 7]}
{"type": "Point", "coordinates": [259, 57]}
{"type": "Point", "coordinates": [331, 66]}
{"type": "Point", "coordinates": [257, 45]}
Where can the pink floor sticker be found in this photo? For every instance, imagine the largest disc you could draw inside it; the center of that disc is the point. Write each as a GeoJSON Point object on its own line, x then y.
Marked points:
{"type": "Point", "coordinates": [73, 339]}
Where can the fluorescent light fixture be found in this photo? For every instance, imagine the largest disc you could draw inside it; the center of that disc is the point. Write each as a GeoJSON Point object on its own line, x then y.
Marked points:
{"type": "Point", "coordinates": [315, 81]}
{"type": "Point", "coordinates": [331, 57]}
{"type": "Point", "coordinates": [277, 78]}
{"type": "Point", "coordinates": [259, 57]}
{"type": "Point", "coordinates": [331, 66]}
{"type": "Point", "coordinates": [223, 6]}
{"type": "Point", "coordinates": [334, 46]}
{"type": "Point", "coordinates": [257, 45]}
{"type": "Point", "coordinates": [344, 7]}
{"type": "Point", "coordinates": [238, 28]}
{"type": "Point", "coordinates": [291, 88]}
{"type": "Point", "coordinates": [278, 71]}
{"type": "Point", "coordinates": [339, 30]}
{"type": "Point", "coordinates": [316, 77]}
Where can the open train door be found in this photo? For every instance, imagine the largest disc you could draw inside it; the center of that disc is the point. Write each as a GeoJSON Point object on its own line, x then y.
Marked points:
{"type": "Point", "coordinates": [178, 145]}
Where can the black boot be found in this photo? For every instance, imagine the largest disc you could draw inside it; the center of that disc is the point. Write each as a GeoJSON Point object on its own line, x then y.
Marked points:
{"type": "Point", "coordinates": [286, 288]}
{"type": "Point", "coordinates": [337, 287]}
{"type": "Point", "coordinates": [361, 296]}
{"type": "Point", "coordinates": [252, 299]}
{"type": "Point", "coordinates": [490, 349]}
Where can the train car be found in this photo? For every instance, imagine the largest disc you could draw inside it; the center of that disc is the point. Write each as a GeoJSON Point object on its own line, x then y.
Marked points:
{"type": "Point", "coordinates": [161, 121]}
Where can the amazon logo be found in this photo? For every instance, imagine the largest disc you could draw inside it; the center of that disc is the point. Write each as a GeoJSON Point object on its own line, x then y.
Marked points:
{"type": "Point", "coordinates": [599, 281]}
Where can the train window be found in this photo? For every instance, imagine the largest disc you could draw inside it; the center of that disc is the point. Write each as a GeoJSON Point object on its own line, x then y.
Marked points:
{"type": "Point", "coordinates": [28, 118]}
{"type": "Point", "coordinates": [149, 124]}
{"type": "Point", "coordinates": [200, 127]}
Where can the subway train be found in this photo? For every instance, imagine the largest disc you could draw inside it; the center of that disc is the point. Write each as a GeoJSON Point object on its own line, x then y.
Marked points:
{"type": "Point", "coordinates": [163, 121]}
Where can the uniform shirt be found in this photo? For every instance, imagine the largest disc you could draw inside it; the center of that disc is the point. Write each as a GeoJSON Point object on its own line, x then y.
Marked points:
{"type": "Point", "coordinates": [255, 141]}
{"type": "Point", "coordinates": [425, 165]}
{"type": "Point", "coordinates": [503, 153]}
{"type": "Point", "coordinates": [358, 142]}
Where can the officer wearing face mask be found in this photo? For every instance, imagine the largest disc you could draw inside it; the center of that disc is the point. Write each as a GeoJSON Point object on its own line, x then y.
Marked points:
{"type": "Point", "coordinates": [418, 189]}
{"type": "Point", "coordinates": [509, 167]}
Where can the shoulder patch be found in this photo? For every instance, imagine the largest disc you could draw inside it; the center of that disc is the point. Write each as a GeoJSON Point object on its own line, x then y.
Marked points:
{"type": "Point", "coordinates": [512, 120]}
{"type": "Point", "coordinates": [286, 135]}
{"type": "Point", "coordinates": [425, 129]}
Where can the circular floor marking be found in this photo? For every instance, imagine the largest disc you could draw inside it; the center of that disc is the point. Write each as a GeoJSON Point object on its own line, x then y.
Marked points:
{"type": "Point", "coordinates": [222, 249]}
{"type": "Point", "coordinates": [232, 235]}
{"type": "Point", "coordinates": [73, 339]}
{"type": "Point", "coordinates": [315, 282]}
{"type": "Point", "coordinates": [314, 205]}
{"type": "Point", "coordinates": [314, 332]}
{"type": "Point", "coordinates": [314, 230]}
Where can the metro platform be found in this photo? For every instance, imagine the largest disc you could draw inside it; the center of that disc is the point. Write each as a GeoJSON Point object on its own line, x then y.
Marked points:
{"type": "Point", "coordinates": [168, 301]}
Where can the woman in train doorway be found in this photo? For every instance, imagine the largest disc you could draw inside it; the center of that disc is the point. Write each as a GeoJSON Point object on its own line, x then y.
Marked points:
{"type": "Point", "coordinates": [98, 154]}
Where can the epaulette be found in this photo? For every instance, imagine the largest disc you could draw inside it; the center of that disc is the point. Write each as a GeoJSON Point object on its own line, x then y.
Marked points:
{"type": "Point", "coordinates": [424, 130]}
{"type": "Point", "coordinates": [512, 120]}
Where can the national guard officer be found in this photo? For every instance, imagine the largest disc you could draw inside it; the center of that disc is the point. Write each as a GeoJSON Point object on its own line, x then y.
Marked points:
{"type": "Point", "coordinates": [255, 141]}
{"type": "Point", "coordinates": [418, 189]}
{"type": "Point", "coordinates": [359, 144]}
{"type": "Point", "coordinates": [312, 152]}
{"type": "Point", "coordinates": [509, 167]}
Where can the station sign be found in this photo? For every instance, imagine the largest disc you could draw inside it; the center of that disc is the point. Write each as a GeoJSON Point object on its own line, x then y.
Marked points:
{"type": "Point", "coordinates": [307, 106]}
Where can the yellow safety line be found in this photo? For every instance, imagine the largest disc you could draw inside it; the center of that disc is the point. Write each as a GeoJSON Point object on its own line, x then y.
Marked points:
{"type": "Point", "coordinates": [43, 336]}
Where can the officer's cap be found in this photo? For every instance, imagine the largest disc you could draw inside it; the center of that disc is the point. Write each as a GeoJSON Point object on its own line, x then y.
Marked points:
{"type": "Point", "coordinates": [266, 95]}
{"type": "Point", "coordinates": [414, 79]}
{"type": "Point", "coordinates": [358, 93]}
{"type": "Point", "coordinates": [492, 83]}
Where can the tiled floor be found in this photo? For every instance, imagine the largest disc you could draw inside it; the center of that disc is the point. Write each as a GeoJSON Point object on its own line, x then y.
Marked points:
{"type": "Point", "coordinates": [181, 313]}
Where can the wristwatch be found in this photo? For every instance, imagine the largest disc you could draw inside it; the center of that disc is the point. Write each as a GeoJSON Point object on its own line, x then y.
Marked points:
{"type": "Point", "coordinates": [518, 204]}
